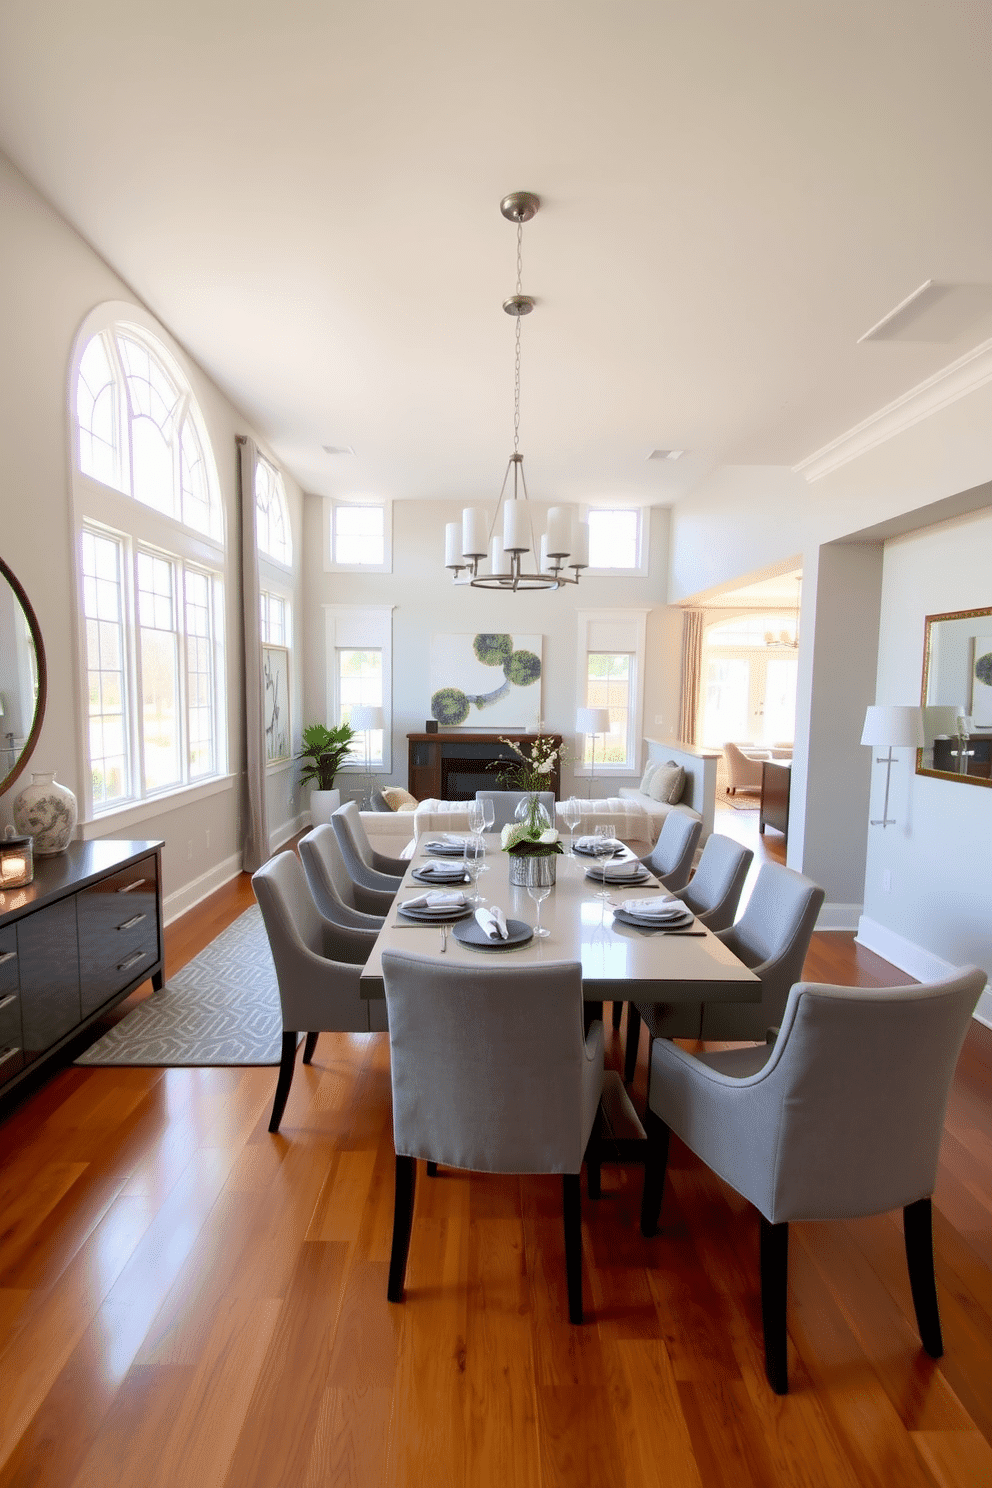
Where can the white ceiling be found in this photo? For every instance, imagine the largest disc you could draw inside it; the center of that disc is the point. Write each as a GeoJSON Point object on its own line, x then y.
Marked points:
{"type": "Point", "coordinates": [307, 194]}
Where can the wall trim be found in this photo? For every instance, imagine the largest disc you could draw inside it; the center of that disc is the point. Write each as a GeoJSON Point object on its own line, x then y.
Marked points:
{"type": "Point", "coordinates": [838, 917]}
{"type": "Point", "coordinates": [952, 382]}
{"type": "Point", "coordinates": [923, 965]}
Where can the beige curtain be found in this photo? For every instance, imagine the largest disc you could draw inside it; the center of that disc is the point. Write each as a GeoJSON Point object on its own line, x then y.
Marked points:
{"type": "Point", "coordinates": [255, 845]}
{"type": "Point", "coordinates": [692, 656]}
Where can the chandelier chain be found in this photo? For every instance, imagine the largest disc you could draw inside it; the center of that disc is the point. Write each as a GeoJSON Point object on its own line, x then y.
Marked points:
{"type": "Point", "coordinates": [516, 356]}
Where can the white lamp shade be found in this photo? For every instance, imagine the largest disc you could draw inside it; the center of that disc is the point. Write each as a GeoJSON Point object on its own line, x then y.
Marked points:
{"type": "Point", "coordinates": [453, 545]}
{"type": "Point", "coordinates": [579, 554]}
{"type": "Point", "coordinates": [475, 532]}
{"type": "Point", "coordinates": [544, 553]}
{"type": "Point", "coordinates": [592, 721]}
{"type": "Point", "coordinates": [559, 539]}
{"type": "Point", "coordinates": [516, 528]}
{"type": "Point", "coordinates": [364, 718]}
{"type": "Point", "coordinates": [497, 559]}
{"type": "Point", "coordinates": [894, 725]}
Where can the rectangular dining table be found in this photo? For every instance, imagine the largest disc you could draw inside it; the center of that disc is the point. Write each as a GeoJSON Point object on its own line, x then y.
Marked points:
{"type": "Point", "coordinates": [619, 962]}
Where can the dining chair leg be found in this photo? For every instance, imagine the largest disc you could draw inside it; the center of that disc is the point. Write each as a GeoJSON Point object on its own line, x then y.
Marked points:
{"type": "Point", "coordinates": [774, 1292]}
{"type": "Point", "coordinates": [289, 1040]}
{"type": "Point", "coordinates": [309, 1047]}
{"type": "Point", "coordinates": [406, 1182]}
{"type": "Point", "coordinates": [655, 1167]}
{"type": "Point", "coordinates": [617, 1013]}
{"type": "Point", "coordinates": [917, 1229]}
{"type": "Point", "coordinates": [572, 1216]}
{"type": "Point", "coordinates": [432, 1169]}
{"type": "Point", "coordinates": [630, 1048]}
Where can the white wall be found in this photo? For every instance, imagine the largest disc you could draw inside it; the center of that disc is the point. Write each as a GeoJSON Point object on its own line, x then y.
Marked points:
{"type": "Point", "coordinates": [426, 602]}
{"type": "Point", "coordinates": [939, 854]}
{"type": "Point", "coordinates": [50, 279]}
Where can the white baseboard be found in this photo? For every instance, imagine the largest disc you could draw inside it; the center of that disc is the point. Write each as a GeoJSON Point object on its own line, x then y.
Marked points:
{"type": "Point", "coordinates": [921, 964]}
{"type": "Point", "coordinates": [287, 830]}
{"type": "Point", "coordinates": [191, 894]}
{"type": "Point", "coordinates": [838, 917]}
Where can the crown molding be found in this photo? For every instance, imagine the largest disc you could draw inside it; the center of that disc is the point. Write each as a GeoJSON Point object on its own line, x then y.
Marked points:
{"type": "Point", "coordinates": [955, 381]}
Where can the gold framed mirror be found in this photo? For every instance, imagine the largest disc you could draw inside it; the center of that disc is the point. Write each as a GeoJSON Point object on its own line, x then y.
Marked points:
{"type": "Point", "coordinates": [957, 697]}
{"type": "Point", "coordinates": [23, 678]}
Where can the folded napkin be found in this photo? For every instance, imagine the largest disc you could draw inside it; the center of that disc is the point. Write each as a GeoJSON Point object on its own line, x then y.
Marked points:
{"type": "Point", "coordinates": [626, 868]}
{"type": "Point", "coordinates": [662, 910]}
{"type": "Point", "coordinates": [435, 899]}
{"type": "Point", "coordinates": [442, 870]}
{"type": "Point", "coordinates": [492, 922]}
{"type": "Point", "coordinates": [447, 839]}
{"type": "Point", "coordinates": [588, 844]}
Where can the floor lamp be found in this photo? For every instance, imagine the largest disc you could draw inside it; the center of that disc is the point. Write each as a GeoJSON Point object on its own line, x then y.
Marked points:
{"type": "Point", "coordinates": [363, 720]}
{"type": "Point", "coordinates": [592, 721]}
{"type": "Point", "coordinates": [898, 727]}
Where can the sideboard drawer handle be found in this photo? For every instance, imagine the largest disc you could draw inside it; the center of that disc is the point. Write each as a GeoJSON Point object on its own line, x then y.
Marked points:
{"type": "Point", "coordinates": [130, 888]}
{"type": "Point", "coordinates": [134, 920]}
{"type": "Point", "coordinates": [6, 956]}
{"type": "Point", "coordinates": [132, 960]}
{"type": "Point", "coordinates": [6, 1001]}
{"type": "Point", "coordinates": [11, 1052]}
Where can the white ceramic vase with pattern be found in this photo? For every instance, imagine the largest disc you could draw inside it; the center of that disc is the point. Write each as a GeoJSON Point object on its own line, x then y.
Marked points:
{"type": "Point", "coordinates": [46, 811]}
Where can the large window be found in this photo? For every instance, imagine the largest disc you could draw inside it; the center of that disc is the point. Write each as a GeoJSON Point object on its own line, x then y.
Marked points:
{"type": "Point", "coordinates": [360, 685]}
{"type": "Point", "coordinates": [749, 670]}
{"type": "Point", "coordinates": [151, 570]}
{"type": "Point", "coordinates": [359, 642]}
{"type": "Point", "coordinates": [609, 676]}
{"type": "Point", "coordinates": [272, 529]}
{"type": "Point", "coordinates": [611, 659]}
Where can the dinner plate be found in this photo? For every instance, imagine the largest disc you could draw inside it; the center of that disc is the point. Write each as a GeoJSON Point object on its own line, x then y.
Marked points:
{"type": "Point", "coordinates": [640, 877]}
{"type": "Point", "coordinates": [646, 923]}
{"type": "Point", "coordinates": [435, 916]}
{"type": "Point", "coordinates": [585, 852]}
{"type": "Point", "coordinates": [444, 850]}
{"type": "Point", "coordinates": [470, 933]}
{"type": "Point", "coordinates": [424, 875]}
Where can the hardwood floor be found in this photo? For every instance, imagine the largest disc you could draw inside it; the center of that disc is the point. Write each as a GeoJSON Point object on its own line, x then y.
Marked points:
{"type": "Point", "coordinates": [185, 1299]}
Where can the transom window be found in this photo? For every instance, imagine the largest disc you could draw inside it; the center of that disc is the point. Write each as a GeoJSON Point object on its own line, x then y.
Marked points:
{"type": "Point", "coordinates": [358, 535]}
{"type": "Point", "coordinates": [272, 527]}
{"type": "Point", "coordinates": [151, 570]}
{"type": "Point", "coordinates": [615, 540]}
{"type": "Point", "coordinates": [275, 619]}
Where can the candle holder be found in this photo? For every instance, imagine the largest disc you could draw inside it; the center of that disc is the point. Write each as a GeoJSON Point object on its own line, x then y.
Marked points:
{"type": "Point", "coordinates": [16, 860]}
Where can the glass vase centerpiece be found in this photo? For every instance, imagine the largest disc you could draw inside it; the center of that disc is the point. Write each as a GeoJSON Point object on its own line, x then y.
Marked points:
{"type": "Point", "coordinates": [531, 840]}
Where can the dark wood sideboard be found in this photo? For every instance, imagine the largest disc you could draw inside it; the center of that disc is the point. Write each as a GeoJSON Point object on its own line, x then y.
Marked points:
{"type": "Point", "coordinates": [776, 778]}
{"type": "Point", "coordinates": [453, 765]}
{"type": "Point", "coordinates": [83, 935]}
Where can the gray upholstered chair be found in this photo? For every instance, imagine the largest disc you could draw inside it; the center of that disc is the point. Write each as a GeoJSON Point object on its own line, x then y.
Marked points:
{"type": "Point", "coordinates": [348, 817]}
{"type": "Point", "coordinates": [318, 966]}
{"type": "Point", "coordinates": [771, 937]}
{"type": "Point", "coordinates": [334, 893]}
{"type": "Point", "coordinates": [505, 803]}
{"type": "Point", "coordinates": [374, 891]}
{"type": "Point", "coordinates": [671, 857]}
{"type": "Point", "coordinates": [714, 890]}
{"type": "Point", "coordinates": [499, 1078]}
{"type": "Point", "coordinates": [841, 1117]}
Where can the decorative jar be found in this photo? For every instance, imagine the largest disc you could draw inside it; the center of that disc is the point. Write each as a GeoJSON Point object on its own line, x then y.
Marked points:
{"type": "Point", "coordinates": [47, 812]}
{"type": "Point", "coordinates": [532, 868]}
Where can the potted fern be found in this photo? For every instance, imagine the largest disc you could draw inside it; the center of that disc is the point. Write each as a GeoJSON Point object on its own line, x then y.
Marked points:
{"type": "Point", "coordinates": [323, 753]}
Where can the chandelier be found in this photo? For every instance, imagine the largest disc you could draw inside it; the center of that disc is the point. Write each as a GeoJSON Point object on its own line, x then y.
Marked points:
{"type": "Point", "coordinates": [473, 541]}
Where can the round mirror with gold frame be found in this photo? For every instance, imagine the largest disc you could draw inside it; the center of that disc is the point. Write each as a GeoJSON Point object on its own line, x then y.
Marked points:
{"type": "Point", "coordinates": [23, 678]}
{"type": "Point", "coordinates": [957, 697]}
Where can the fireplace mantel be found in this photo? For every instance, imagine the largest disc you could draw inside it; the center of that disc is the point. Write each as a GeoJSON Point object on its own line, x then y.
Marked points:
{"type": "Point", "coordinates": [453, 765]}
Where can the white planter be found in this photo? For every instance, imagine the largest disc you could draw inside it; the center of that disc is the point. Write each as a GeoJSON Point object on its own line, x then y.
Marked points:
{"type": "Point", "coordinates": [322, 805]}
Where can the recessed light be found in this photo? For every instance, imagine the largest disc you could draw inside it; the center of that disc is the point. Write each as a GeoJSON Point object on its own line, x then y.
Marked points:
{"type": "Point", "coordinates": [666, 454]}
{"type": "Point", "coordinates": [337, 449]}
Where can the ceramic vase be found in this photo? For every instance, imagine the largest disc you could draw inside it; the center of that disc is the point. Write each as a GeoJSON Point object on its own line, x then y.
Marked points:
{"type": "Point", "coordinates": [323, 804]}
{"type": "Point", "coordinates": [46, 811]}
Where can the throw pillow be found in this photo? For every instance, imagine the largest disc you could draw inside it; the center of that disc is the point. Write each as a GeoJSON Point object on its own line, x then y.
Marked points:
{"type": "Point", "coordinates": [396, 797]}
{"type": "Point", "coordinates": [649, 770]}
{"type": "Point", "coordinates": [667, 783]}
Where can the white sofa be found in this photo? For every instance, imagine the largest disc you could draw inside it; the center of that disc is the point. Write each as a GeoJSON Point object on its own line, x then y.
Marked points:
{"type": "Point", "coordinates": [699, 794]}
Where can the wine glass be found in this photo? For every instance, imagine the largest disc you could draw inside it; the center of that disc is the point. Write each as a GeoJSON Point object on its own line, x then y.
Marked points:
{"type": "Point", "coordinates": [539, 892]}
{"type": "Point", "coordinates": [476, 817]}
{"type": "Point", "coordinates": [604, 846]}
{"type": "Point", "coordinates": [489, 808]}
{"type": "Point", "coordinates": [571, 815]}
{"type": "Point", "coordinates": [474, 859]}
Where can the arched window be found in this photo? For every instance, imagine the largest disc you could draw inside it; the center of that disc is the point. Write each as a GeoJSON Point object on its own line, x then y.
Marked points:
{"type": "Point", "coordinates": [272, 514]}
{"type": "Point", "coordinates": [151, 567]}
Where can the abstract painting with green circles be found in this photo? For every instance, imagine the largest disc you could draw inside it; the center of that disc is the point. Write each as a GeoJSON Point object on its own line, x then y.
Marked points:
{"type": "Point", "coordinates": [486, 681]}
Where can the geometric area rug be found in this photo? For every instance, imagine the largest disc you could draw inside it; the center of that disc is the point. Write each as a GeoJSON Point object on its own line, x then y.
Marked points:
{"type": "Point", "coordinates": [221, 1008]}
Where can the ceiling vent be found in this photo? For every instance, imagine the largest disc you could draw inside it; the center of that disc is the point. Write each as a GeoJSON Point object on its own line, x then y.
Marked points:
{"type": "Point", "coordinates": [337, 449]}
{"type": "Point", "coordinates": [934, 312]}
{"type": "Point", "coordinates": [666, 454]}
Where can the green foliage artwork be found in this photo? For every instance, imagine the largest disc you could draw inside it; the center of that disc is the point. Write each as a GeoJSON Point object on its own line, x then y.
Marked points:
{"type": "Point", "coordinates": [458, 675]}
{"type": "Point", "coordinates": [983, 668]}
